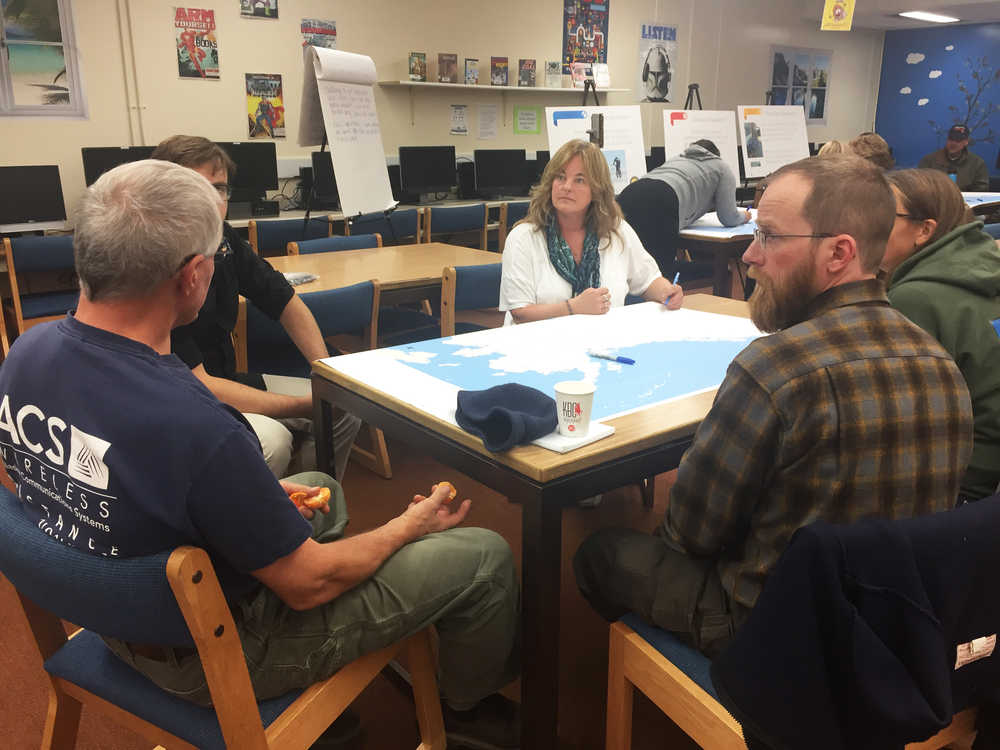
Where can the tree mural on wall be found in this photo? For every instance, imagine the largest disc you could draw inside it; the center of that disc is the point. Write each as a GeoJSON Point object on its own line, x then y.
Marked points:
{"type": "Point", "coordinates": [977, 108]}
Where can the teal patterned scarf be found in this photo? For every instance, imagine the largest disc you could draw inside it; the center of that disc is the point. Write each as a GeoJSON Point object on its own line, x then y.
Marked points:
{"type": "Point", "coordinates": [583, 276]}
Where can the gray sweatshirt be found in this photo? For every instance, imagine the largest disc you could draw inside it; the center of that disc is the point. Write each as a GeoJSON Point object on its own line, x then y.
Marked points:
{"type": "Point", "coordinates": [703, 183]}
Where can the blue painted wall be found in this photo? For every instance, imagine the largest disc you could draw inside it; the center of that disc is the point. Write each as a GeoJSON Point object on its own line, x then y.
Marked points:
{"type": "Point", "coordinates": [922, 71]}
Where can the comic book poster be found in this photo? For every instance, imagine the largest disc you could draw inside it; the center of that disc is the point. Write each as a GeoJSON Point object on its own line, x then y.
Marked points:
{"type": "Point", "coordinates": [472, 71]}
{"type": "Point", "coordinates": [197, 44]}
{"type": "Point", "coordinates": [418, 66]}
{"type": "Point", "coordinates": [265, 105]}
{"type": "Point", "coordinates": [657, 58]}
{"type": "Point", "coordinates": [319, 33]}
{"type": "Point", "coordinates": [585, 32]}
{"type": "Point", "coordinates": [259, 8]}
{"type": "Point", "coordinates": [498, 71]}
{"type": "Point", "coordinates": [526, 72]}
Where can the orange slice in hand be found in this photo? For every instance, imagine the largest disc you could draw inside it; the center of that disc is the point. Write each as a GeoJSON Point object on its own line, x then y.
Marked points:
{"type": "Point", "coordinates": [452, 492]}
{"type": "Point", "coordinates": [318, 500]}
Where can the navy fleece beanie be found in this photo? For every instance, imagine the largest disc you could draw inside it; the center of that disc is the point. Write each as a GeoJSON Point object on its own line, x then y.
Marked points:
{"type": "Point", "coordinates": [506, 415]}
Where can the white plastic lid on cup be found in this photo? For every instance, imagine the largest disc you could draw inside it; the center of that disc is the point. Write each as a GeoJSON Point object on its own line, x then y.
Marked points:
{"type": "Point", "coordinates": [574, 399]}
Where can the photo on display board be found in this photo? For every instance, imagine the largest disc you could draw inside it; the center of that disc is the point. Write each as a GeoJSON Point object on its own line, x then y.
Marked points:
{"type": "Point", "coordinates": [197, 44]}
{"type": "Point", "coordinates": [751, 130]}
{"type": "Point", "coordinates": [265, 105]}
{"type": "Point", "coordinates": [616, 166]}
{"type": "Point", "coordinates": [259, 8]}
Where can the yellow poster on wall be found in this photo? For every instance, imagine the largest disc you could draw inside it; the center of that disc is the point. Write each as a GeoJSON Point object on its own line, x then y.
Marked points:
{"type": "Point", "coordinates": [837, 15]}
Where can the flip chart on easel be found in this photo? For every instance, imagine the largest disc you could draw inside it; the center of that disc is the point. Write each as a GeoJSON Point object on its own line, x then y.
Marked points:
{"type": "Point", "coordinates": [338, 99]}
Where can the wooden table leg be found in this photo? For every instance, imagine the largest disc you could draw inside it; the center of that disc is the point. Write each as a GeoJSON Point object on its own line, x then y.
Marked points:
{"type": "Point", "coordinates": [541, 528]}
{"type": "Point", "coordinates": [323, 432]}
{"type": "Point", "coordinates": [720, 275]}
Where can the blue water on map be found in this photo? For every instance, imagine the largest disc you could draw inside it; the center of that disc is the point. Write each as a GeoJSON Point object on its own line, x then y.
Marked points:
{"type": "Point", "coordinates": [662, 370]}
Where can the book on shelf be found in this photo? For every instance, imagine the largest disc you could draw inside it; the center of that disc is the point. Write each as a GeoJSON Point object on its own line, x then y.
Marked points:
{"type": "Point", "coordinates": [498, 71]}
{"type": "Point", "coordinates": [580, 72]}
{"type": "Point", "coordinates": [472, 71]}
{"type": "Point", "coordinates": [525, 72]}
{"type": "Point", "coordinates": [418, 66]}
{"type": "Point", "coordinates": [447, 67]}
{"type": "Point", "coordinates": [602, 76]}
{"type": "Point", "coordinates": [553, 74]}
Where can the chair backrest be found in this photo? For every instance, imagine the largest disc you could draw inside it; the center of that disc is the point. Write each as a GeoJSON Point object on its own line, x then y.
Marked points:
{"type": "Point", "coordinates": [272, 237]}
{"type": "Point", "coordinates": [88, 590]}
{"type": "Point", "coordinates": [510, 214]}
{"type": "Point", "coordinates": [35, 253]}
{"type": "Point", "coordinates": [441, 219]}
{"type": "Point", "coordinates": [335, 243]}
{"type": "Point", "coordinates": [468, 288]}
{"type": "Point", "coordinates": [401, 225]}
{"type": "Point", "coordinates": [346, 310]}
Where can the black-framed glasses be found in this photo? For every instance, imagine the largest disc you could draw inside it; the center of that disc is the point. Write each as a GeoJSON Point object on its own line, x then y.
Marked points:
{"type": "Point", "coordinates": [911, 217]}
{"type": "Point", "coordinates": [225, 191]}
{"type": "Point", "coordinates": [762, 237]}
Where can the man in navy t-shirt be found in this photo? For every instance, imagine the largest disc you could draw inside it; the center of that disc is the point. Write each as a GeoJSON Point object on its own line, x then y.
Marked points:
{"type": "Point", "coordinates": [117, 449]}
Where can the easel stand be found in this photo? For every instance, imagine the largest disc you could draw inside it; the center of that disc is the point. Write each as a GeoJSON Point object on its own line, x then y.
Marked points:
{"type": "Point", "coordinates": [693, 93]}
{"type": "Point", "coordinates": [309, 197]}
{"type": "Point", "coordinates": [589, 85]}
{"type": "Point", "coordinates": [387, 215]}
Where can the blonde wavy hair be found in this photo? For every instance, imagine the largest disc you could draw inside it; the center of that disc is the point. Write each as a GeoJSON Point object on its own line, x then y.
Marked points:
{"type": "Point", "coordinates": [603, 214]}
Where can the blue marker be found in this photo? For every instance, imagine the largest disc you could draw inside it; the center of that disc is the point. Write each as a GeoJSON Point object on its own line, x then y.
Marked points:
{"type": "Point", "coordinates": [600, 354]}
{"type": "Point", "coordinates": [676, 277]}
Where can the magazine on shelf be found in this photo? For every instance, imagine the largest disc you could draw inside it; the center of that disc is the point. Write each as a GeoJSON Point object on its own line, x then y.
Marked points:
{"type": "Point", "coordinates": [526, 72]}
{"type": "Point", "coordinates": [553, 74]}
{"type": "Point", "coordinates": [472, 71]}
{"type": "Point", "coordinates": [580, 73]}
{"type": "Point", "coordinates": [498, 71]}
{"type": "Point", "coordinates": [602, 76]}
{"type": "Point", "coordinates": [418, 66]}
{"type": "Point", "coordinates": [447, 67]}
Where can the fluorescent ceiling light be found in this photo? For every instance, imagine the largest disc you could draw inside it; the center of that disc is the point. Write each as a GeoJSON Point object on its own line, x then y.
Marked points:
{"type": "Point", "coordinates": [919, 15]}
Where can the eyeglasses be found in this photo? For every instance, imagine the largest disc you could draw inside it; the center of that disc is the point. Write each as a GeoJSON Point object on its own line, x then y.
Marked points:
{"type": "Point", "coordinates": [911, 217]}
{"type": "Point", "coordinates": [222, 252]}
{"type": "Point", "coordinates": [224, 190]}
{"type": "Point", "coordinates": [762, 237]}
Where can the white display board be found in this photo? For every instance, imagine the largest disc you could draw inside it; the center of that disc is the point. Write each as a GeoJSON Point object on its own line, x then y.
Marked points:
{"type": "Point", "coordinates": [772, 137]}
{"type": "Point", "coordinates": [623, 146]}
{"type": "Point", "coordinates": [682, 127]}
{"type": "Point", "coordinates": [338, 97]}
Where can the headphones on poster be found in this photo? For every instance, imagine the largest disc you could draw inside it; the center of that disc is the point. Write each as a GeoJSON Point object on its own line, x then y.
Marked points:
{"type": "Point", "coordinates": [660, 83]}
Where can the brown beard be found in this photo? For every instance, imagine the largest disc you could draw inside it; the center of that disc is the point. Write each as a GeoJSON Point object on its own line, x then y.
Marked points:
{"type": "Point", "coordinates": [773, 309]}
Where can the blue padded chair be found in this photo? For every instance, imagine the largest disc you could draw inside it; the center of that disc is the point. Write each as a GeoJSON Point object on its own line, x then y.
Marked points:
{"type": "Point", "coordinates": [335, 243]}
{"type": "Point", "coordinates": [993, 230]}
{"type": "Point", "coordinates": [32, 254]}
{"type": "Point", "coordinates": [269, 238]}
{"type": "Point", "coordinates": [347, 310]}
{"type": "Point", "coordinates": [468, 288]}
{"type": "Point", "coordinates": [403, 225]}
{"type": "Point", "coordinates": [510, 214]}
{"type": "Point", "coordinates": [456, 219]}
{"type": "Point", "coordinates": [172, 599]}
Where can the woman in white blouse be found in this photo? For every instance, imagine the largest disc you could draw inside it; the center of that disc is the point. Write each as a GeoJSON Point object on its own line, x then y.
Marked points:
{"type": "Point", "coordinates": [574, 254]}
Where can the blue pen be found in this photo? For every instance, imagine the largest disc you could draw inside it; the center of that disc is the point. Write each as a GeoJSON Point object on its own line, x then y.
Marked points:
{"type": "Point", "coordinates": [676, 278]}
{"type": "Point", "coordinates": [609, 356]}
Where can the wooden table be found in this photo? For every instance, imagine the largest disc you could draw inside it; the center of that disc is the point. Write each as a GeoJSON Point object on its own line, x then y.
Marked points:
{"type": "Point", "coordinates": [724, 251]}
{"type": "Point", "coordinates": [645, 443]}
{"type": "Point", "coordinates": [406, 273]}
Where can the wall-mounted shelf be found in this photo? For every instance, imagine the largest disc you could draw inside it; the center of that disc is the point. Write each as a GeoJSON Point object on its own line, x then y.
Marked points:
{"type": "Point", "coordinates": [418, 85]}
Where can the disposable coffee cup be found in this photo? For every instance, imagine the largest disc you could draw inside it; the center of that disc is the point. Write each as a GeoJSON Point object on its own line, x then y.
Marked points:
{"type": "Point", "coordinates": [574, 399]}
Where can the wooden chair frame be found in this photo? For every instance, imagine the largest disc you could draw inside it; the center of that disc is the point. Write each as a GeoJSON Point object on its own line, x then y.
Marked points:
{"type": "Point", "coordinates": [21, 323]}
{"type": "Point", "coordinates": [377, 458]}
{"type": "Point", "coordinates": [634, 664]}
{"type": "Point", "coordinates": [293, 247]}
{"type": "Point", "coordinates": [199, 597]}
{"type": "Point", "coordinates": [483, 231]}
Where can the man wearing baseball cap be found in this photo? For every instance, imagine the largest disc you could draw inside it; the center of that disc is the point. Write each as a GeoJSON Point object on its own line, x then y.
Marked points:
{"type": "Point", "coordinates": [964, 167]}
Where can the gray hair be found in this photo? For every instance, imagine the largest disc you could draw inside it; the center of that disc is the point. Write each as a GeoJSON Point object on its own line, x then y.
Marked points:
{"type": "Point", "coordinates": [138, 223]}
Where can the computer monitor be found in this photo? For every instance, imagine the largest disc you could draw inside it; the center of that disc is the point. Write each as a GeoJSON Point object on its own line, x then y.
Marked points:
{"type": "Point", "coordinates": [657, 155]}
{"type": "Point", "coordinates": [100, 159]}
{"type": "Point", "coordinates": [542, 157]}
{"type": "Point", "coordinates": [325, 193]}
{"type": "Point", "coordinates": [426, 169]}
{"type": "Point", "coordinates": [31, 198]}
{"type": "Point", "coordinates": [256, 169]}
{"type": "Point", "coordinates": [499, 171]}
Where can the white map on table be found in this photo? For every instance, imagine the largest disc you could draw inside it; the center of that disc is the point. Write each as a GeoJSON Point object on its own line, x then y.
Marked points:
{"type": "Point", "coordinates": [677, 353]}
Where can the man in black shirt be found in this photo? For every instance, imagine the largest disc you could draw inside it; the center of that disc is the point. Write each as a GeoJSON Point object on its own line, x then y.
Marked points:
{"type": "Point", "coordinates": [206, 344]}
{"type": "Point", "coordinates": [967, 170]}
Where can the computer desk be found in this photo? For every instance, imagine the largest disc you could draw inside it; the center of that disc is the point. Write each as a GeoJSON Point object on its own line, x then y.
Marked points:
{"type": "Point", "coordinates": [646, 442]}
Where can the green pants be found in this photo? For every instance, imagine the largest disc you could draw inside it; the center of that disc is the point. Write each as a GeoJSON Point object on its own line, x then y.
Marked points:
{"type": "Point", "coordinates": [462, 581]}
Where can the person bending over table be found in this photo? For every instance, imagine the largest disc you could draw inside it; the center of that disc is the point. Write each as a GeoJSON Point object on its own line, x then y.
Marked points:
{"type": "Point", "coordinates": [678, 193]}
{"type": "Point", "coordinates": [944, 275]}
{"type": "Point", "coordinates": [848, 411]}
{"type": "Point", "coordinates": [277, 407]}
{"type": "Point", "coordinates": [574, 254]}
{"type": "Point", "coordinates": [140, 448]}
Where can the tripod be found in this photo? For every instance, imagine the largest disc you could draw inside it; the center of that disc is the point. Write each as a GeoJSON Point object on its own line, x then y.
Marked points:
{"type": "Point", "coordinates": [693, 93]}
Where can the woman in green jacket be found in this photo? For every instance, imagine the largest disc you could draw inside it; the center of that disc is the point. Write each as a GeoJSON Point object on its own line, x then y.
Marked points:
{"type": "Point", "coordinates": [944, 274]}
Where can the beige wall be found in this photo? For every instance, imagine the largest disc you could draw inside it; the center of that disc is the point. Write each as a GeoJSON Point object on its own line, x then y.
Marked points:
{"type": "Point", "coordinates": [723, 45]}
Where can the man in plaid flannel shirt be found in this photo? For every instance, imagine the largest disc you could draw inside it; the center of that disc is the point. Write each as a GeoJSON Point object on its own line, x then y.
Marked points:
{"type": "Point", "coordinates": [848, 411]}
